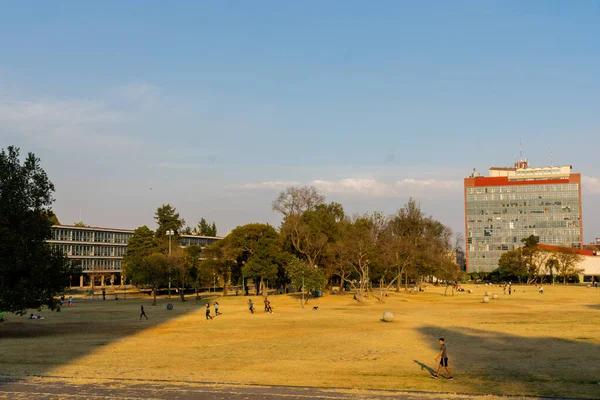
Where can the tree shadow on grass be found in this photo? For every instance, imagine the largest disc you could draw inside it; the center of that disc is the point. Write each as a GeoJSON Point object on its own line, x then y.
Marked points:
{"type": "Point", "coordinates": [499, 363]}
{"type": "Point", "coordinates": [36, 346]}
{"type": "Point", "coordinates": [594, 306]}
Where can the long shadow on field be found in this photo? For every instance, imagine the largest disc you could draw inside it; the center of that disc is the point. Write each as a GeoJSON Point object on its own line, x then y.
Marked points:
{"type": "Point", "coordinates": [35, 347]}
{"type": "Point", "coordinates": [493, 362]}
{"type": "Point", "coordinates": [594, 306]}
{"type": "Point", "coordinates": [424, 366]}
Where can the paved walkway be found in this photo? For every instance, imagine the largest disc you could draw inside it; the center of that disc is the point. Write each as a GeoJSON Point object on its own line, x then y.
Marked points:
{"type": "Point", "coordinates": [47, 388]}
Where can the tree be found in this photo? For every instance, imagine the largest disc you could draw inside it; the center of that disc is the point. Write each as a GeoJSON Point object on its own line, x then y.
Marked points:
{"type": "Point", "coordinates": [511, 265]}
{"type": "Point", "coordinates": [354, 251]}
{"type": "Point", "coordinates": [534, 259]}
{"type": "Point", "coordinates": [448, 272]}
{"type": "Point", "coordinates": [294, 201]}
{"type": "Point", "coordinates": [80, 224]}
{"type": "Point", "coordinates": [312, 234]}
{"type": "Point", "coordinates": [304, 276]}
{"type": "Point", "coordinates": [141, 244]}
{"type": "Point", "coordinates": [566, 263]}
{"type": "Point", "coordinates": [206, 229]}
{"type": "Point", "coordinates": [32, 273]}
{"type": "Point", "coordinates": [195, 275]}
{"type": "Point", "coordinates": [179, 270]}
{"type": "Point", "coordinates": [151, 270]}
{"type": "Point", "coordinates": [404, 239]}
{"type": "Point", "coordinates": [257, 248]}
{"type": "Point", "coordinates": [168, 219]}
{"type": "Point", "coordinates": [53, 219]}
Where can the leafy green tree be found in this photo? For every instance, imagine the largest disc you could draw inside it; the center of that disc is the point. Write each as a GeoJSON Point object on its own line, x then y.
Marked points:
{"type": "Point", "coordinates": [32, 272]}
{"type": "Point", "coordinates": [355, 252]}
{"type": "Point", "coordinates": [53, 219]}
{"type": "Point", "coordinates": [206, 229]}
{"type": "Point", "coordinates": [151, 270]}
{"type": "Point", "coordinates": [312, 234]}
{"type": "Point", "coordinates": [304, 276]}
{"type": "Point", "coordinates": [258, 248]}
{"type": "Point", "coordinates": [80, 224]}
{"type": "Point", "coordinates": [141, 244]}
{"type": "Point", "coordinates": [195, 273]}
{"type": "Point", "coordinates": [168, 219]}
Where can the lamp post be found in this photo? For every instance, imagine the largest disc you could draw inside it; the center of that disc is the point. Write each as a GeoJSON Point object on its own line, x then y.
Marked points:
{"type": "Point", "coordinates": [170, 233]}
{"type": "Point", "coordinates": [214, 282]}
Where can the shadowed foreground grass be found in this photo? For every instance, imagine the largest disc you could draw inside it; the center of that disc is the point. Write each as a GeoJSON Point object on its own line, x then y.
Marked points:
{"type": "Point", "coordinates": [523, 344]}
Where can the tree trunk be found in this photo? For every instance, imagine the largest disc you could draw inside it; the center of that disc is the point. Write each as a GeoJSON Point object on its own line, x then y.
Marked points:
{"type": "Point", "coordinates": [196, 291]}
{"type": "Point", "coordinates": [445, 290]}
{"type": "Point", "coordinates": [154, 300]}
{"type": "Point", "coordinates": [225, 285]}
{"type": "Point", "coordinates": [181, 293]}
{"type": "Point", "coordinates": [399, 281]}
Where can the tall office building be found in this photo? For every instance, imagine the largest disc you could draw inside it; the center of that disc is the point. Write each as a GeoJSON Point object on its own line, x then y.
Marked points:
{"type": "Point", "coordinates": [513, 203]}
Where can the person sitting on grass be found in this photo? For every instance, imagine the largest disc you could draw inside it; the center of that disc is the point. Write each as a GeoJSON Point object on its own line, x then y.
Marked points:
{"type": "Point", "coordinates": [2, 316]}
{"type": "Point", "coordinates": [35, 316]}
{"type": "Point", "coordinates": [443, 357]}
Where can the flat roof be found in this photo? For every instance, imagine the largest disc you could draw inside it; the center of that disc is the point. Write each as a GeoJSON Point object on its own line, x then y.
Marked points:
{"type": "Point", "coordinates": [98, 228]}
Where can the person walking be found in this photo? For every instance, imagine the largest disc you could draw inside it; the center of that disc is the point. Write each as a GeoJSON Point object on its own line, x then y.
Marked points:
{"type": "Point", "coordinates": [251, 306]}
{"type": "Point", "coordinates": [208, 316]}
{"type": "Point", "coordinates": [103, 294]}
{"type": "Point", "coordinates": [541, 290]}
{"type": "Point", "coordinates": [143, 314]}
{"type": "Point", "coordinates": [216, 304]}
{"type": "Point", "coordinates": [443, 357]}
{"type": "Point", "coordinates": [70, 303]}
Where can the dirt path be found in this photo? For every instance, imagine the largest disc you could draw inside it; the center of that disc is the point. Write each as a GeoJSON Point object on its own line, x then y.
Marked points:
{"type": "Point", "coordinates": [46, 388]}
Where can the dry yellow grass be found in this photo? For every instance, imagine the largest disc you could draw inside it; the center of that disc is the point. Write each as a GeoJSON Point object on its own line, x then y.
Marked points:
{"type": "Point", "coordinates": [523, 344]}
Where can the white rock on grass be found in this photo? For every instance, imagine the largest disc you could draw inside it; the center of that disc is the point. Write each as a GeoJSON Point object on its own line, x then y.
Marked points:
{"type": "Point", "coordinates": [388, 316]}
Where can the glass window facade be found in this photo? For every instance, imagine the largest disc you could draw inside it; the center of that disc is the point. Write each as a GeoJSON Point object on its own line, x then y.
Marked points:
{"type": "Point", "coordinates": [102, 250]}
{"type": "Point", "coordinates": [498, 217]}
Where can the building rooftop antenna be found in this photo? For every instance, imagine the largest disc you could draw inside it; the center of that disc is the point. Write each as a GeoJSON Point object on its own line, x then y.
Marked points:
{"type": "Point", "coordinates": [551, 164]}
{"type": "Point", "coordinates": [520, 149]}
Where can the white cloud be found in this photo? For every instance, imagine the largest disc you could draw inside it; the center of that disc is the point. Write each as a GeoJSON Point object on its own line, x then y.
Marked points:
{"type": "Point", "coordinates": [369, 187]}
{"type": "Point", "coordinates": [590, 184]}
{"type": "Point", "coordinates": [66, 124]}
{"type": "Point", "coordinates": [270, 185]}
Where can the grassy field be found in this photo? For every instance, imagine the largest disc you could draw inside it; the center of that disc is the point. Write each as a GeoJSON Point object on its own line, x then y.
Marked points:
{"type": "Point", "coordinates": [523, 344]}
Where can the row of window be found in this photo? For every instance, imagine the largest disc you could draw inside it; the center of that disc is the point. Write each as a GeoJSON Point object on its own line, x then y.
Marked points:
{"type": "Point", "coordinates": [91, 250]}
{"type": "Point", "coordinates": [564, 187]}
{"type": "Point", "coordinates": [79, 235]}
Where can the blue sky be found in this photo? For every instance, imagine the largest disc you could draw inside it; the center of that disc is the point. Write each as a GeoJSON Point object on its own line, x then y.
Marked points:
{"type": "Point", "coordinates": [216, 106]}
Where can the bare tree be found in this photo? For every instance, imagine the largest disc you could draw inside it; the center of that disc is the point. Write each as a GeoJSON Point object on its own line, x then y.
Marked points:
{"type": "Point", "coordinates": [567, 261]}
{"type": "Point", "coordinates": [294, 201]}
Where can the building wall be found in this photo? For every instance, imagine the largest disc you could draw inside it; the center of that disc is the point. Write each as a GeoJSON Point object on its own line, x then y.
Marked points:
{"type": "Point", "coordinates": [101, 250]}
{"type": "Point", "coordinates": [499, 212]}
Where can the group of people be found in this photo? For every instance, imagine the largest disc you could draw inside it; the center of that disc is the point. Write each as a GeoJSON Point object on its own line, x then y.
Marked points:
{"type": "Point", "coordinates": [217, 312]}
{"type": "Point", "coordinates": [69, 302]}
{"type": "Point", "coordinates": [507, 287]}
{"type": "Point", "coordinates": [268, 307]}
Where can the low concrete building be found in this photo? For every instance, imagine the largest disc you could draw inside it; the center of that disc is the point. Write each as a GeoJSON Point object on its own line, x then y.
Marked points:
{"type": "Point", "coordinates": [99, 251]}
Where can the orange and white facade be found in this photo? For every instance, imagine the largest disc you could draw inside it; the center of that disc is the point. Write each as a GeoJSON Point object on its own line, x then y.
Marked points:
{"type": "Point", "coordinates": [513, 203]}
